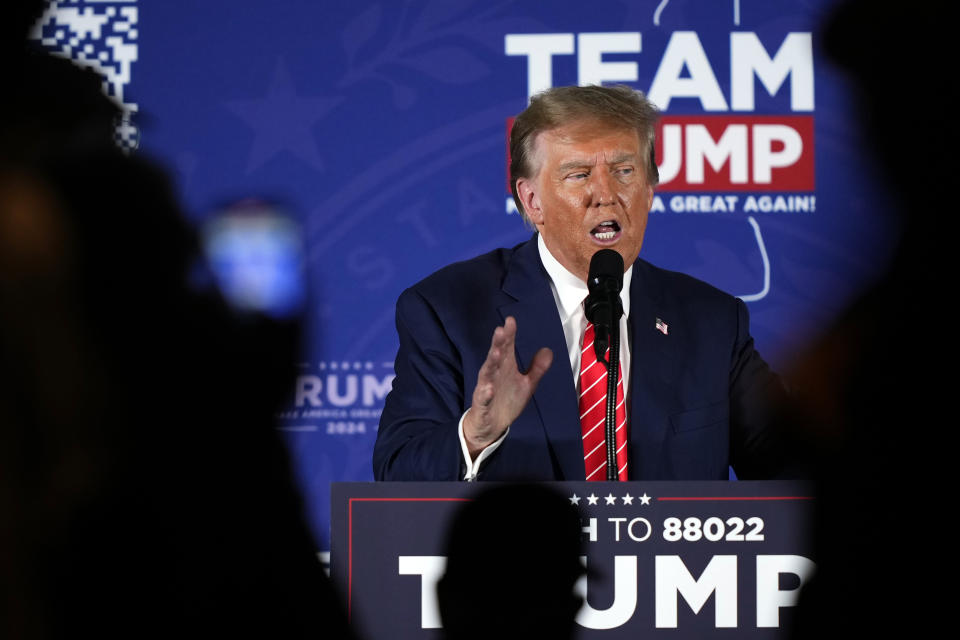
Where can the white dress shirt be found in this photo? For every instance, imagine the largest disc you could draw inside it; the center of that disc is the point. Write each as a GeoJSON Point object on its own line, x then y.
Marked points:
{"type": "Point", "coordinates": [569, 292]}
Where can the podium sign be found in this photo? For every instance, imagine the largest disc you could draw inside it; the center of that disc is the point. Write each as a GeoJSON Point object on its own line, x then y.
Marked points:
{"type": "Point", "coordinates": [666, 559]}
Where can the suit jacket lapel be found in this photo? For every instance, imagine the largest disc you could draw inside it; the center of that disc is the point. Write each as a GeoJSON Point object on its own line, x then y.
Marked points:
{"type": "Point", "coordinates": [538, 325]}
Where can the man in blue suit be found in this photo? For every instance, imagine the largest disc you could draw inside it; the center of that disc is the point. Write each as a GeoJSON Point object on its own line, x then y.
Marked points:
{"type": "Point", "coordinates": [699, 397]}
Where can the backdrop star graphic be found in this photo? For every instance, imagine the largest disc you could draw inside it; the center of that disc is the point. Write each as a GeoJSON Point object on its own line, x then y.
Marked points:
{"type": "Point", "coordinates": [282, 121]}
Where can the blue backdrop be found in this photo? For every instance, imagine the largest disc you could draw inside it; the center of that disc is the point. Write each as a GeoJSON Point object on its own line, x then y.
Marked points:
{"type": "Point", "coordinates": [379, 128]}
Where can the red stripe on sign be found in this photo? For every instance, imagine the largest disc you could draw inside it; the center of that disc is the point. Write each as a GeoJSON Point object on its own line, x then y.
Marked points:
{"type": "Point", "coordinates": [735, 153]}
{"type": "Point", "coordinates": [730, 498]}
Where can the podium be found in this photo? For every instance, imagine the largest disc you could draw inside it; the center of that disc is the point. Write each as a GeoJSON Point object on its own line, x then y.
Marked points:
{"type": "Point", "coordinates": [666, 559]}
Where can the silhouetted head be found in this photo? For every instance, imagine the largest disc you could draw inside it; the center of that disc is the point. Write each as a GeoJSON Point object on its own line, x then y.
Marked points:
{"type": "Point", "coordinates": [18, 17]}
{"type": "Point", "coordinates": [136, 409]}
{"type": "Point", "coordinates": [513, 557]}
{"type": "Point", "coordinates": [898, 58]}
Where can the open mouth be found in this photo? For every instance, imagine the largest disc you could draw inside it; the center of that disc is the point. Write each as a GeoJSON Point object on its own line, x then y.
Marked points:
{"type": "Point", "coordinates": [606, 231]}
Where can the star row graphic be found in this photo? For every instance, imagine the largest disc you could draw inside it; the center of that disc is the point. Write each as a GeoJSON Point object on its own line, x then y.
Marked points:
{"type": "Point", "coordinates": [345, 366]}
{"type": "Point", "coordinates": [610, 499]}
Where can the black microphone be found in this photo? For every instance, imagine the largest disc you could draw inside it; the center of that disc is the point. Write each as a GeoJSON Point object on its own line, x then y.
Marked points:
{"type": "Point", "coordinates": [602, 306]}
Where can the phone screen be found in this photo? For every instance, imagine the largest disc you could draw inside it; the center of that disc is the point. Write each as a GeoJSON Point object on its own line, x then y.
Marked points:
{"type": "Point", "coordinates": [255, 254]}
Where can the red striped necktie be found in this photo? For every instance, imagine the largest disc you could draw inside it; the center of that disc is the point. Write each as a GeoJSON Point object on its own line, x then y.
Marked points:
{"type": "Point", "coordinates": [593, 413]}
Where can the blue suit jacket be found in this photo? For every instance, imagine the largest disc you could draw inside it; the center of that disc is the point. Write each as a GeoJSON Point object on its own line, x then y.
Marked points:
{"type": "Point", "coordinates": [701, 397]}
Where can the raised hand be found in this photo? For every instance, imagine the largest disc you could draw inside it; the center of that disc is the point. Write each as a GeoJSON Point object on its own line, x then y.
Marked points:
{"type": "Point", "coordinates": [502, 391]}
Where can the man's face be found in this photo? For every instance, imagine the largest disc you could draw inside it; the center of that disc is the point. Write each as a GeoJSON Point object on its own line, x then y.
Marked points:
{"type": "Point", "coordinates": [589, 192]}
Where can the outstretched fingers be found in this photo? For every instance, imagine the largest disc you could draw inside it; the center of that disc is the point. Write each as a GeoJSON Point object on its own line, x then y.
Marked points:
{"type": "Point", "coordinates": [502, 390]}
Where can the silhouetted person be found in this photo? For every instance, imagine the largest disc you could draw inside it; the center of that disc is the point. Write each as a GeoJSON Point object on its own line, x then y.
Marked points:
{"type": "Point", "coordinates": [143, 489]}
{"type": "Point", "coordinates": [876, 384]}
{"type": "Point", "coordinates": [513, 557]}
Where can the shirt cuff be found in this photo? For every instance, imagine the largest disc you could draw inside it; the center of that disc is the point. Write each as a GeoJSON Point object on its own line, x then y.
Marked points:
{"type": "Point", "coordinates": [473, 466]}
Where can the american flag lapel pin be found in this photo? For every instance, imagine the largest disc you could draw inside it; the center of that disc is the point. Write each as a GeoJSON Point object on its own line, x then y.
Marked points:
{"type": "Point", "coordinates": [661, 326]}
